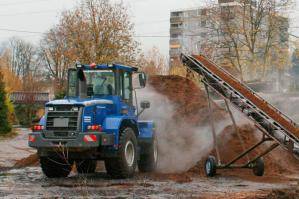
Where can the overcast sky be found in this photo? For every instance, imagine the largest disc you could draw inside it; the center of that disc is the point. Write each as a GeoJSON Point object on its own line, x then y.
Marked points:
{"type": "Point", "coordinates": [150, 16]}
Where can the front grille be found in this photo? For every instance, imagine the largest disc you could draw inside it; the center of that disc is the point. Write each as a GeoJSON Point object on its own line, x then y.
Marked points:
{"type": "Point", "coordinates": [67, 115]}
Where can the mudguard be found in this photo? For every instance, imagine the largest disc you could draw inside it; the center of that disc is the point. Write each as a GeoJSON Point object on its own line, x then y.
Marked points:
{"type": "Point", "coordinates": [147, 133]}
{"type": "Point", "coordinates": [112, 125]}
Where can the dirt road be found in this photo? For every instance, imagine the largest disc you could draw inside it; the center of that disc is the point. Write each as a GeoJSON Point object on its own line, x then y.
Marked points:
{"type": "Point", "coordinates": [29, 182]}
{"type": "Point", "coordinates": [14, 149]}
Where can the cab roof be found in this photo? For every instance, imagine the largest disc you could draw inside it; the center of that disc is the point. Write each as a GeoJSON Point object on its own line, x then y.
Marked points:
{"type": "Point", "coordinates": [108, 66]}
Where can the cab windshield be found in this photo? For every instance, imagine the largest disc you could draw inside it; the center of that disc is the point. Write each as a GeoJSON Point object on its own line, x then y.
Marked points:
{"type": "Point", "coordinates": [99, 82]}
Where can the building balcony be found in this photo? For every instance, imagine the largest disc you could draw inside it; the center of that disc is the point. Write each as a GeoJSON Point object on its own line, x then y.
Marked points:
{"type": "Point", "coordinates": [176, 19]}
{"type": "Point", "coordinates": [174, 41]}
{"type": "Point", "coordinates": [174, 46]}
{"type": "Point", "coordinates": [176, 30]}
{"type": "Point", "coordinates": [174, 52]}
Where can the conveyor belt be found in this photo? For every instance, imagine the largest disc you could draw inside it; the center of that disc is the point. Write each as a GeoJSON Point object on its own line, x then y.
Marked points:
{"type": "Point", "coordinates": [269, 119]}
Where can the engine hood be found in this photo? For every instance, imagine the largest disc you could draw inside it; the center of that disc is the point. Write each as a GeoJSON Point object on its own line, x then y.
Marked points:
{"type": "Point", "coordinates": [79, 102]}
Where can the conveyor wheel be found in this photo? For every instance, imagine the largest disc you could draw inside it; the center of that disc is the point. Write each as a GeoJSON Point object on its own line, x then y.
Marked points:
{"type": "Point", "coordinates": [259, 167]}
{"type": "Point", "coordinates": [210, 166]}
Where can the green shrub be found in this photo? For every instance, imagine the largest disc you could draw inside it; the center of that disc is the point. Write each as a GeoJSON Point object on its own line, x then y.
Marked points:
{"type": "Point", "coordinates": [26, 113]}
{"type": "Point", "coordinates": [11, 111]}
{"type": "Point", "coordinates": [5, 125]}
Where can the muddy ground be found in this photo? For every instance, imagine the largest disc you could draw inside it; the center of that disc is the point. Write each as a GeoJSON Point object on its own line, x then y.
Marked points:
{"type": "Point", "coordinates": [23, 181]}
{"type": "Point", "coordinates": [30, 183]}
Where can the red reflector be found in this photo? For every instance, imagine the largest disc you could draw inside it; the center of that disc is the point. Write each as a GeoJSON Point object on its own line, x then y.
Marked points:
{"type": "Point", "coordinates": [31, 138]}
{"type": "Point", "coordinates": [93, 65]}
{"type": "Point", "coordinates": [37, 127]}
{"type": "Point", "coordinates": [90, 138]}
{"type": "Point", "coordinates": [94, 128]}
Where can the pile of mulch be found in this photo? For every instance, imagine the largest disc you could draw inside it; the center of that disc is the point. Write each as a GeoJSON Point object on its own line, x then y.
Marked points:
{"type": "Point", "coordinates": [31, 160]}
{"type": "Point", "coordinates": [190, 100]}
{"type": "Point", "coordinates": [192, 106]}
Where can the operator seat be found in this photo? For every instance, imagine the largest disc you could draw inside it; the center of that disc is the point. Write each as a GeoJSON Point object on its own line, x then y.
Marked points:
{"type": "Point", "coordinates": [110, 89]}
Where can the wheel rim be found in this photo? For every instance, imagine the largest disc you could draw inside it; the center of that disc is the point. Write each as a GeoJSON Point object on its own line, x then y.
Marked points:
{"type": "Point", "coordinates": [208, 167]}
{"type": "Point", "coordinates": [130, 153]}
{"type": "Point", "coordinates": [155, 151]}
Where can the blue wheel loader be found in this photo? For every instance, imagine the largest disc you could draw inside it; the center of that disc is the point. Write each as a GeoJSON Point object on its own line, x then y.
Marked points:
{"type": "Point", "coordinates": [97, 120]}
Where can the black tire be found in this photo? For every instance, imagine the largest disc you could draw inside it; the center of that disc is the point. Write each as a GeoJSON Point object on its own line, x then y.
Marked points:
{"type": "Point", "coordinates": [259, 167]}
{"type": "Point", "coordinates": [210, 166]}
{"type": "Point", "coordinates": [86, 166]}
{"type": "Point", "coordinates": [122, 167]}
{"type": "Point", "coordinates": [148, 162]}
{"type": "Point", "coordinates": [55, 167]}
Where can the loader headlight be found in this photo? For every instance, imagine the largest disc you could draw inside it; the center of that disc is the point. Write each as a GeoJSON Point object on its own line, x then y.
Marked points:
{"type": "Point", "coordinates": [50, 108]}
{"type": "Point", "coordinates": [75, 109]}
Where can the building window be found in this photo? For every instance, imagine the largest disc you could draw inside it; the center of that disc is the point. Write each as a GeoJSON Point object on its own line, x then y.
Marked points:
{"type": "Point", "coordinates": [175, 51]}
{"type": "Point", "coordinates": [192, 13]}
{"type": "Point", "coordinates": [203, 12]}
{"type": "Point", "coordinates": [227, 12]}
{"type": "Point", "coordinates": [176, 25]}
{"type": "Point", "coordinates": [175, 36]}
{"type": "Point", "coordinates": [225, 1]}
{"type": "Point", "coordinates": [176, 14]}
{"type": "Point", "coordinates": [203, 34]}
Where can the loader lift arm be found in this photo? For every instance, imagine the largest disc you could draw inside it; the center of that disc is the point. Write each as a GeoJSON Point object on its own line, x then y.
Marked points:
{"type": "Point", "coordinates": [275, 125]}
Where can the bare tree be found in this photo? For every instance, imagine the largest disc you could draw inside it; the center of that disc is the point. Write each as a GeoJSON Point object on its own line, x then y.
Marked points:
{"type": "Point", "coordinates": [95, 31]}
{"type": "Point", "coordinates": [21, 57]}
{"type": "Point", "coordinates": [18, 60]}
{"type": "Point", "coordinates": [153, 62]}
{"type": "Point", "coordinates": [249, 35]}
{"type": "Point", "coordinates": [56, 57]}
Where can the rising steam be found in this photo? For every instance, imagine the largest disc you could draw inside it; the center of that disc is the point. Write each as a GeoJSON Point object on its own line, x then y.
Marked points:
{"type": "Point", "coordinates": [181, 145]}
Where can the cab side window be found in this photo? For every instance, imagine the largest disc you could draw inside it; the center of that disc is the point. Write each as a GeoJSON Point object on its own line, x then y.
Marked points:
{"type": "Point", "coordinates": [127, 87]}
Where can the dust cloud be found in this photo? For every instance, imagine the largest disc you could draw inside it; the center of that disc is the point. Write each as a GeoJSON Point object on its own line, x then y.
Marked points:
{"type": "Point", "coordinates": [181, 145]}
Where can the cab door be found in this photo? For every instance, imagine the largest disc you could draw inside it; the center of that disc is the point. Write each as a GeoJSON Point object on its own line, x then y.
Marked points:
{"type": "Point", "coordinates": [126, 89]}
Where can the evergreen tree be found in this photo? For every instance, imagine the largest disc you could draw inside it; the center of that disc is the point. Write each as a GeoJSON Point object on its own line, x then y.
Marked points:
{"type": "Point", "coordinates": [5, 126]}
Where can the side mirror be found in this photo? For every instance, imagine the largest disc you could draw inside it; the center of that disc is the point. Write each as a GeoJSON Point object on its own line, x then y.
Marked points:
{"type": "Point", "coordinates": [142, 79]}
{"type": "Point", "coordinates": [145, 104]}
{"type": "Point", "coordinates": [81, 75]}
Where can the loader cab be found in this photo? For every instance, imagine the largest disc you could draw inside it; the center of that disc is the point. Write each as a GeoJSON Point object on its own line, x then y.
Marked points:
{"type": "Point", "coordinates": [102, 81]}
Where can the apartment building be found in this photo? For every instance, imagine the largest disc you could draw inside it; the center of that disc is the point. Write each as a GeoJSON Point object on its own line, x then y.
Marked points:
{"type": "Point", "coordinates": [204, 30]}
{"type": "Point", "coordinates": [187, 29]}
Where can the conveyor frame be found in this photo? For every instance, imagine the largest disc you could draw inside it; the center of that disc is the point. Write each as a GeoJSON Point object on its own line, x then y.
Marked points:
{"type": "Point", "coordinates": [280, 131]}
